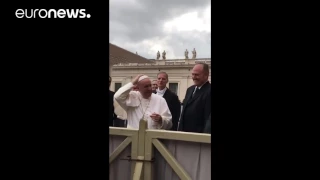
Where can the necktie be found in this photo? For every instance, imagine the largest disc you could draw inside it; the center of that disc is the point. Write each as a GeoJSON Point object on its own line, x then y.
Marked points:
{"type": "Point", "coordinates": [194, 92]}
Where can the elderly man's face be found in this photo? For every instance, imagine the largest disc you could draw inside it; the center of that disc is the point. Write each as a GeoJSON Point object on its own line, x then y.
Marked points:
{"type": "Point", "coordinates": [144, 87]}
{"type": "Point", "coordinates": [198, 75]}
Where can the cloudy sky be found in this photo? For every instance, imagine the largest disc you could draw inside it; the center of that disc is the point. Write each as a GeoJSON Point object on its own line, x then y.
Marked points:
{"type": "Point", "coordinates": [147, 26]}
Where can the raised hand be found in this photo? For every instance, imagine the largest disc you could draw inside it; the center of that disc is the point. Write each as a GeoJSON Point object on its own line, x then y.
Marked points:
{"type": "Point", "coordinates": [135, 80]}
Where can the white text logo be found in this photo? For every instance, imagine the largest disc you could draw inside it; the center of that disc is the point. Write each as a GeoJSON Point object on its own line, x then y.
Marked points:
{"type": "Point", "coordinates": [52, 13]}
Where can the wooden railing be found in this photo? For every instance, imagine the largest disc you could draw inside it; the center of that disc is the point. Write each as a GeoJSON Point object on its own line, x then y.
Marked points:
{"type": "Point", "coordinates": [142, 142]}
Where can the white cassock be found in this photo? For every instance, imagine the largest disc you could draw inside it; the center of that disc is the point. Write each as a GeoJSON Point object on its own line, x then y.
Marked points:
{"type": "Point", "coordinates": [119, 111]}
{"type": "Point", "coordinates": [138, 108]}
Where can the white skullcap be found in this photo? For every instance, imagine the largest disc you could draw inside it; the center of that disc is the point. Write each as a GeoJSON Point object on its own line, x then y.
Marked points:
{"type": "Point", "coordinates": [142, 78]}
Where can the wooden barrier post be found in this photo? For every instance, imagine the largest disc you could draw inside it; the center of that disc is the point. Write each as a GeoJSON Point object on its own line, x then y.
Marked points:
{"type": "Point", "coordinates": [134, 152]}
{"type": "Point", "coordinates": [138, 170]}
{"type": "Point", "coordinates": [148, 150]}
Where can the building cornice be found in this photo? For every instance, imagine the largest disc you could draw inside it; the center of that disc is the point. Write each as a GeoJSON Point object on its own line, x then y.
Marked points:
{"type": "Point", "coordinates": [177, 63]}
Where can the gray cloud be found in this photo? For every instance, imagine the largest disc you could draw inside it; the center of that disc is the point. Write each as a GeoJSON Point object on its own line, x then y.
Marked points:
{"type": "Point", "coordinates": [138, 25]}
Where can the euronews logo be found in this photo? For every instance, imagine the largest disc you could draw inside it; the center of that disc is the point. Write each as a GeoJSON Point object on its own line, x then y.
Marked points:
{"type": "Point", "coordinates": [52, 13]}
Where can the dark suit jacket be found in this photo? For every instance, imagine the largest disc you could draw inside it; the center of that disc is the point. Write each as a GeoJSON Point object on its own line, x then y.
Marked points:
{"type": "Point", "coordinates": [196, 110]}
{"type": "Point", "coordinates": [174, 107]}
{"type": "Point", "coordinates": [113, 120]}
{"type": "Point", "coordinates": [207, 128]}
{"type": "Point", "coordinates": [111, 110]}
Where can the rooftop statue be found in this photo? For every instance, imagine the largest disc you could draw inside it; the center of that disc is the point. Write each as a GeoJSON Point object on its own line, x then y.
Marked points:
{"type": "Point", "coordinates": [194, 53]}
{"type": "Point", "coordinates": [186, 54]}
{"type": "Point", "coordinates": [164, 55]}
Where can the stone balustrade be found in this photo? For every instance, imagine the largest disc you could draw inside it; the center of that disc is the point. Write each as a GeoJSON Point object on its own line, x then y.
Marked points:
{"type": "Point", "coordinates": [171, 62]}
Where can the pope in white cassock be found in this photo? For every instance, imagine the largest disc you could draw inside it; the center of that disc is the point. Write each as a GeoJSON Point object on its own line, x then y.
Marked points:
{"type": "Point", "coordinates": [143, 104]}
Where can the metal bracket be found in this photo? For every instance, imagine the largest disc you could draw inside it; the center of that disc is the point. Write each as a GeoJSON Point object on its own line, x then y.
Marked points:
{"type": "Point", "coordinates": [141, 160]}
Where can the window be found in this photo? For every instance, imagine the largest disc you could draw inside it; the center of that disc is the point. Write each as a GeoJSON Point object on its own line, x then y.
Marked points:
{"type": "Point", "coordinates": [117, 86]}
{"type": "Point", "coordinates": [174, 87]}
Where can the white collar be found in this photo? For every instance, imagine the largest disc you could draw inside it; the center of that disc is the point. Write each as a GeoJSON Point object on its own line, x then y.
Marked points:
{"type": "Point", "coordinates": [201, 85]}
{"type": "Point", "coordinates": [161, 91]}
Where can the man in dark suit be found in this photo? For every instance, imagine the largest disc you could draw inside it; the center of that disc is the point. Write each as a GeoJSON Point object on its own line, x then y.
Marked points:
{"type": "Point", "coordinates": [111, 110]}
{"type": "Point", "coordinates": [113, 120]}
{"type": "Point", "coordinates": [197, 102]}
{"type": "Point", "coordinates": [207, 128]}
{"type": "Point", "coordinates": [154, 86]}
{"type": "Point", "coordinates": [170, 97]}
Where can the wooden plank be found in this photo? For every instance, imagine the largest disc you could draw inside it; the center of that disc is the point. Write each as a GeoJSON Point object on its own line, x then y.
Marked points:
{"type": "Point", "coordinates": [141, 142]}
{"type": "Point", "coordinates": [171, 160]}
{"type": "Point", "coordinates": [180, 136]}
{"type": "Point", "coordinates": [122, 131]}
{"type": "Point", "coordinates": [119, 149]}
{"type": "Point", "coordinates": [134, 152]}
{"type": "Point", "coordinates": [148, 155]}
{"type": "Point", "coordinates": [138, 171]}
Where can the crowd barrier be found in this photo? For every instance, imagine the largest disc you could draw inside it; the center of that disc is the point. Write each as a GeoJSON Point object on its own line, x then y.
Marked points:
{"type": "Point", "coordinates": [145, 154]}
